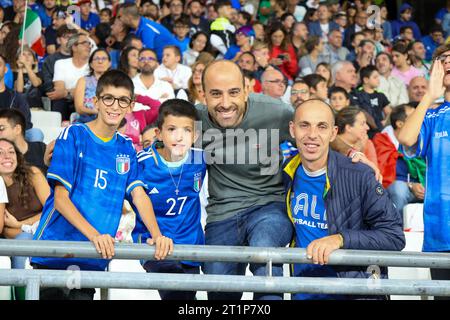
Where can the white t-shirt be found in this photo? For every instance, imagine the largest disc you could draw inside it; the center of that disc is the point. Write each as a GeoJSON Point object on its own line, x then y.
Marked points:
{"type": "Point", "coordinates": [180, 75]}
{"type": "Point", "coordinates": [67, 72]}
{"type": "Point", "coordinates": [3, 192]}
{"type": "Point", "coordinates": [160, 90]}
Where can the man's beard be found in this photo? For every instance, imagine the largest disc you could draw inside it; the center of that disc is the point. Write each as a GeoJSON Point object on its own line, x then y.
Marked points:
{"type": "Point", "coordinates": [147, 72]}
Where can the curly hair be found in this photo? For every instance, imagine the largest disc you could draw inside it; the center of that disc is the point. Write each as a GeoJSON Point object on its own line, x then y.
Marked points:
{"type": "Point", "coordinates": [11, 46]}
{"type": "Point", "coordinates": [21, 175]}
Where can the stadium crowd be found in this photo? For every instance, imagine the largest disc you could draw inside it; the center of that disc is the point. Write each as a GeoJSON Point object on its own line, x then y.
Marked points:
{"type": "Point", "coordinates": [334, 82]}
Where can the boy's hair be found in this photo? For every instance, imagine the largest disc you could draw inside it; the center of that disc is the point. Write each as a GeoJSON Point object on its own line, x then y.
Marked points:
{"type": "Point", "coordinates": [311, 43]}
{"type": "Point", "coordinates": [183, 21]}
{"type": "Point", "coordinates": [366, 72]}
{"type": "Point", "coordinates": [116, 79]}
{"type": "Point", "coordinates": [391, 60]}
{"type": "Point", "coordinates": [176, 108]}
{"type": "Point", "coordinates": [175, 49]}
{"type": "Point", "coordinates": [398, 114]}
{"type": "Point", "coordinates": [220, 4]}
{"type": "Point", "coordinates": [258, 45]}
{"type": "Point", "coordinates": [364, 42]}
{"type": "Point", "coordinates": [152, 125]}
{"type": "Point", "coordinates": [63, 30]}
{"type": "Point", "coordinates": [14, 117]}
{"type": "Point", "coordinates": [128, 40]}
{"type": "Point", "coordinates": [247, 16]}
{"type": "Point", "coordinates": [404, 28]}
{"type": "Point", "coordinates": [312, 80]}
{"type": "Point", "coordinates": [107, 10]}
{"type": "Point", "coordinates": [335, 90]}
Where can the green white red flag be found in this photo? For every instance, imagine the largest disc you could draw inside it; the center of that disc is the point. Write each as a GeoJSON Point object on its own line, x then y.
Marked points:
{"type": "Point", "coordinates": [31, 32]}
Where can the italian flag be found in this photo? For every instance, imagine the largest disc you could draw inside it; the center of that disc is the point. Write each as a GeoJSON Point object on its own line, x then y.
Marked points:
{"type": "Point", "coordinates": [31, 32]}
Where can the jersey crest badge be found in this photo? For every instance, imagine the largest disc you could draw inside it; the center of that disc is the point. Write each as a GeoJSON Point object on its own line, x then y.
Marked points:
{"type": "Point", "coordinates": [122, 163]}
{"type": "Point", "coordinates": [197, 181]}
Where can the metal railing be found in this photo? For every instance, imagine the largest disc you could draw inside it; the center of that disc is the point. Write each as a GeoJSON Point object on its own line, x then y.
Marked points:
{"type": "Point", "coordinates": [35, 279]}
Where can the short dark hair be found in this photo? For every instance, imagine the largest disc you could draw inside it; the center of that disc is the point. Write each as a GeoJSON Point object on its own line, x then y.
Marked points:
{"type": "Point", "coordinates": [347, 116]}
{"type": "Point", "coordinates": [64, 30]}
{"type": "Point", "coordinates": [436, 28]}
{"type": "Point", "coordinates": [149, 126]}
{"type": "Point", "coordinates": [404, 28]}
{"type": "Point", "coordinates": [116, 79]}
{"type": "Point", "coordinates": [198, 1]}
{"type": "Point", "coordinates": [221, 3]}
{"type": "Point", "coordinates": [91, 58]}
{"type": "Point", "coordinates": [311, 43]}
{"type": "Point", "coordinates": [335, 90]}
{"type": "Point", "coordinates": [398, 114]}
{"type": "Point", "coordinates": [128, 39]}
{"type": "Point", "coordinates": [176, 108]}
{"type": "Point", "coordinates": [14, 117]}
{"type": "Point", "coordinates": [183, 20]}
{"type": "Point", "coordinates": [391, 60]}
{"type": "Point", "coordinates": [147, 49]}
{"type": "Point", "coordinates": [3, 58]}
{"type": "Point", "coordinates": [107, 10]}
{"type": "Point", "coordinates": [247, 16]}
{"type": "Point", "coordinates": [175, 49]}
{"type": "Point", "coordinates": [366, 72]}
{"type": "Point", "coordinates": [312, 80]}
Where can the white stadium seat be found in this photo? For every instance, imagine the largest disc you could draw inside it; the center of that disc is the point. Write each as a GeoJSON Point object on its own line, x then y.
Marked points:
{"type": "Point", "coordinates": [413, 217]}
{"type": "Point", "coordinates": [5, 292]}
{"type": "Point", "coordinates": [45, 119]}
{"type": "Point", "coordinates": [51, 133]}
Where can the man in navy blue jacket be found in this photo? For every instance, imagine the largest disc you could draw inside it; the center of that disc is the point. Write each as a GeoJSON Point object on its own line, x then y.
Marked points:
{"type": "Point", "coordinates": [334, 203]}
{"type": "Point", "coordinates": [323, 27]}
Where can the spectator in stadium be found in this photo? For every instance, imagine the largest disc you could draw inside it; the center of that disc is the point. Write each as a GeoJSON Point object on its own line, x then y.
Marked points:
{"type": "Point", "coordinates": [244, 41]}
{"type": "Point", "coordinates": [374, 103]}
{"type": "Point", "coordinates": [198, 43]}
{"type": "Point", "coordinates": [45, 12]}
{"type": "Point", "coordinates": [324, 25]}
{"type": "Point", "coordinates": [171, 70]}
{"type": "Point", "coordinates": [417, 54]}
{"type": "Point", "coordinates": [4, 30]}
{"type": "Point", "coordinates": [403, 68]}
{"type": "Point", "coordinates": [344, 75]}
{"type": "Point", "coordinates": [260, 51]}
{"type": "Point", "coordinates": [195, 89]}
{"type": "Point", "coordinates": [27, 77]}
{"type": "Point", "coordinates": [299, 93]}
{"type": "Point", "coordinates": [369, 223]}
{"type": "Point", "coordinates": [260, 33]}
{"type": "Point", "coordinates": [426, 130]}
{"type": "Point", "coordinates": [333, 50]}
{"type": "Point", "coordinates": [246, 205]}
{"type": "Point", "coordinates": [181, 32]}
{"type": "Point", "coordinates": [159, 167]}
{"type": "Point", "coordinates": [417, 89]}
{"type": "Point", "coordinates": [105, 15]}
{"type": "Point", "coordinates": [315, 48]}
{"type": "Point", "coordinates": [88, 212]}
{"type": "Point", "coordinates": [247, 61]}
{"type": "Point", "coordinates": [356, 40]}
{"type": "Point", "coordinates": [84, 93]}
{"type": "Point", "coordinates": [50, 34]}
{"type": "Point", "coordinates": [222, 30]}
{"type": "Point", "coordinates": [153, 35]}
{"type": "Point", "coordinates": [288, 20]}
{"type": "Point", "coordinates": [360, 24]}
{"type": "Point", "coordinates": [439, 17]}
{"type": "Point", "coordinates": [148, 135]}
{"type": "Point", "coordinates": [176, 11]}
{"type": "Point", "coordinates": [27, 192]}
{"type": "Point", "coordinates": [406, 35]}
{"type": "Point", "coordinates": [324, 69]}
{"type": "Point", "coordinates": [281, 52]}
{"type": "Point", "coordinates": [390, 85]}
{"type": "Point", "coordinates": [266, 11]}
{"type": "Point", "coordinates": [365, 54]}
{"type": "Point", "coordinates": [48, 67]}
{"type": "Point", "coordinates": [13, 124]}
{"type": "Point", "coordinates": [146, 83]}
{"type": "Point", "coordinates": [3, 202]}
{"type": "Point", "coordinates": [88, 19]}
{"type": "Point", "coordinates": [405, 19]}
{"type": "Point", "coordinates": [341, 20]}
{"type": "Point", "coordinates": [403, 178]}
{"type": "Point", "coordinates": [339, 98]}
{"type": "Point", "coordinates": [129, 62]}
{"type": "Point", "coordinates": [273, 83]}
{"type": "Point", "coordinates": [317, 86]}
{"type": "Point", "coordinates": [244, 19]}
{"type": "Point", "coordinates": [352, 134]}
{"type": "Point", "coordinates": [149, 10]}
{"type": "Point", "coordinates": [385, 24]}
{"type": "Point", "coordinates": [198, 22]}
{"type": "Point", "coordinates": [433, 40]}
{"type": "Point", "coordinates": [67, 73]}
{"type": "Point", "coordinates": [298, 38]}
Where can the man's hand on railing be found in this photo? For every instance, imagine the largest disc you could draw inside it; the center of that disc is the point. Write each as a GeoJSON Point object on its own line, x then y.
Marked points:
{"type": "Point", "coordinates": [164, 246]}
{"type": "Point", "coordinates": [319, 250]}
{"type": "Point", "coordinates": [104, 244]}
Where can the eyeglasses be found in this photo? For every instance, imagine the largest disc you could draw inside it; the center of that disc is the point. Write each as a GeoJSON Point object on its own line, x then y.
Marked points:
{"type": "Point", "coordinates": [295, 92]}
{"type": "Point", "coordinates": [175, 5]}
{"type": "Point", "coordinates": [142, 59]}
{"type": "Point", "coordinates": [84, 43]}
{"type": "Point", "coordinates": [100, 59]}
{"type": "Point", "coordinates": [108, 100]}
{"type": "Point", "coordinates": [277, 81]}
{"type": "Point", "coordinates": [3, 127]}
{"type": "Point", "coordinates": [443, 57]}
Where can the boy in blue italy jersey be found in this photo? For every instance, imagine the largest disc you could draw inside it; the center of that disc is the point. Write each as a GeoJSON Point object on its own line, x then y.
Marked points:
{"type": "Point", "coordinates": [427, 132]}
{"type": "Point", "coordinates": [93, 169]}
{"type": "Point", "coordinates": [174, 173]}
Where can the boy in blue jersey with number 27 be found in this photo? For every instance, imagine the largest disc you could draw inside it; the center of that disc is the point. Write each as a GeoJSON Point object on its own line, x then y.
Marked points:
{"type": "Point", "coordinates": [174, 174]}
{"type": "Point", "coordinates": [93, 169]}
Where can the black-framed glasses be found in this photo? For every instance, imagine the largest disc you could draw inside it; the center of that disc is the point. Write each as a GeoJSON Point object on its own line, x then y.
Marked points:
{"type": "Point", "coordinates": [302, 91]}
{"type": "Point", "coordinates": [108, 100]}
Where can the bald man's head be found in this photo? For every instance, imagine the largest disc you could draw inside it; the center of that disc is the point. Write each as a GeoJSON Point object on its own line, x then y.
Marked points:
{"type": "Point", "coordinates": [317, 103]}
{"type": "Point", "coordinates": [222, 66]}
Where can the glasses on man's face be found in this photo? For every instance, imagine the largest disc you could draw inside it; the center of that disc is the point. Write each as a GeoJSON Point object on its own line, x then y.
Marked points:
{"type": "Point", "coordinates": [100, 59]}
{"type": "Point", "coordinates": [277, 81]}
{"type": "Point", "coordinates": [84, 43]}
{"type": "Point", "coordinates": [143, 59]}
{"type": "Point", "coordinates": [108, 100]}
{"type": "Point", "coordinates": [296, 92]}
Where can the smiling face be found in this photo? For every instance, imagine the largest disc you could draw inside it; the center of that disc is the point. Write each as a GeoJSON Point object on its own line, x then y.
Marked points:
{"type": "Point", "coordinates": [8, 158]}
{"type": "Point", "coordinates": [199, 43]}
{"type": "Point", "coordinates": [177, 134]}
{"type": "Point", "coordinates": [313, 129]}
{"type": "Point", "coordinates": [358, 131]}
{"type": "Point", "coordinates": [111, 114]}
{"type": "Point", "coordinates": [225, 93]}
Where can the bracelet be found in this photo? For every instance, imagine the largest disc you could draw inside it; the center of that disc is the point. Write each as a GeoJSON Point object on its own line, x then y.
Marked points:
{"type": "Point", "coordinates": [341, 245]}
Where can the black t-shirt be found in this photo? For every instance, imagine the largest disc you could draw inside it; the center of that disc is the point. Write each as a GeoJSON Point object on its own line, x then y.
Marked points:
{"type": "Point", "coordinates": [50, 36]}
{"type": "Point", "coordinates": [373, 103]}
{"type": "Point", "coordinates": [35, 155]}
{"type": "Point", "coordinates": [5, 100]}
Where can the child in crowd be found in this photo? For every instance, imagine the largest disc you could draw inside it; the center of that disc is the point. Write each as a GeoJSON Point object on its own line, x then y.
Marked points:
{"type": "Point", "coordinates": [181, 32]}
{"type": "Point", "coordinates": [148, 135]}
{"type": "Point", "coordinates": [339, 98]}
{"type": "Point", "coordinates": [174, 173]}
{"type": "Point", "coordinates": [171, 70]}
{"type": "Point", "coordinates": [93, 169]}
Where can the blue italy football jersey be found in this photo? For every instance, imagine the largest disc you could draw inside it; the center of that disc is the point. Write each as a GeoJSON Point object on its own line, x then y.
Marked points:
{"type": "Point", "coordinates": [434, 145]}
{"type": "Point", "coordinates": [178, 215]}
{"type": "Point", "coordinates": [98, 176]}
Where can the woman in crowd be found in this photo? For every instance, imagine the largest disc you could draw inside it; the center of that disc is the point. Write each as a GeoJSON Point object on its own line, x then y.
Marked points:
{"type": "Point", "coordinates": [28, 78]}
{"type": "Point", "coordinates": [99, 63]}
{"type": "Point", "coordinates": [288, 20]}
{"type": "Point", "coordinates": [298, 38]}
{"type": "Point", "coordinates": [199, 43]}
{"type": "Point", "coordinates": [314, 46]}
{"type": "Point", "coordinates": [27, 192]}
{"type": "Point", "coordinates": [129, 61]}
{"type": "Point", "coordinates": [195, 88]}
{"type": "Point", "coordinates": [324, 69]}
{"type": "Point", "coordinates": [403, 68]}
{"type": "Point", "coordinates": [352, 134]}
{"type": "Point", "coordinates": [281, 52]}
{"type": "Point", "coordinates": [244, 41]}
